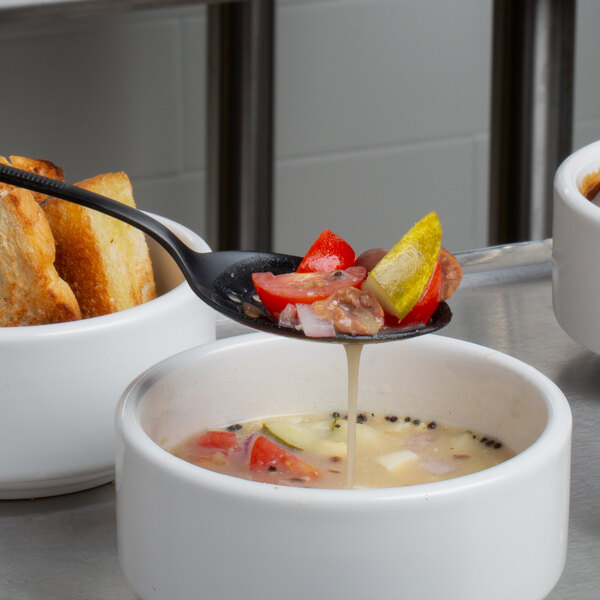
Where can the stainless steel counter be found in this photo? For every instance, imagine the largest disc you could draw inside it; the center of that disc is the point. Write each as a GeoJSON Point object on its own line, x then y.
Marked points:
{"type": "Point", "coordinates": [64, 548]}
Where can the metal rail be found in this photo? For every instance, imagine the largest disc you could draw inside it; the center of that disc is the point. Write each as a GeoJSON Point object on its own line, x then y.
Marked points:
{"type": "Point", "coordinates": [531, 114]}
{"type": "Point", "coordinates": [240, 125]}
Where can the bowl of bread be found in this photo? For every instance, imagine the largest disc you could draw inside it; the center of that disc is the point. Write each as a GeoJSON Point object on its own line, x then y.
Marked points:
{"type": "Point", "coordinates": [87, 303]}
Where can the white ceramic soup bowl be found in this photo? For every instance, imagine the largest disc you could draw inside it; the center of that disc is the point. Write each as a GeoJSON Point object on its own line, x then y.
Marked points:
{"type": "Point", "coordinates": [60, 383]}
{"type": "Point", "coordinates": [185, 532]}
{"type": "Point", "coordinates": [576, 250]}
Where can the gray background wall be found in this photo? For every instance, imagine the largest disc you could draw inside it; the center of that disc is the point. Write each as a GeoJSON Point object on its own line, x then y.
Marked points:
{"type": "Point", "coordinates": [382, 111]}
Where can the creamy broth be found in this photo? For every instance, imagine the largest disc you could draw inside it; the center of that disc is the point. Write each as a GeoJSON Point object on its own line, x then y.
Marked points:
{"type": "Point", "coordinates": [391, 450]}
{"type": "Point", "coordinates": [353, 352]}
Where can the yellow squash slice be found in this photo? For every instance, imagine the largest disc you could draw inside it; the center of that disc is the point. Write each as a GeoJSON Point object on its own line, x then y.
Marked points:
{"type": "Point", "coordinates": [400, 278]}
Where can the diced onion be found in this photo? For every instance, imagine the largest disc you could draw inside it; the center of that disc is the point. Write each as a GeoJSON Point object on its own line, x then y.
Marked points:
{"type": "Point", "coordinates": [395, 460]}
{"type": "Point", "coordinates": [289, 317]}
{"type": "Point", "coordinates": [313, 325]}
{"type": "Point", "coordinates": [249, 443]}
{"type": "Point", "coordinates": [437, 466]}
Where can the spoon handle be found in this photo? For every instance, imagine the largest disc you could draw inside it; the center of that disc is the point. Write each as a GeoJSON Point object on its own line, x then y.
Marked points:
{"type": "Point", "coordinates": [181, 253]}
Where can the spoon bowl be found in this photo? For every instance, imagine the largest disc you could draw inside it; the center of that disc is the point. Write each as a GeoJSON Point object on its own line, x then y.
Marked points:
{"type": "Point", "coordinates": [221, 279]}
{"type": "Point", "coordinates": [235, 295]}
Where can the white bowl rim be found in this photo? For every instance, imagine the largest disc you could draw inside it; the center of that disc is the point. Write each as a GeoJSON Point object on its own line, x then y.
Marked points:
{"type": "Point", "coordinates": [569, 175]}
{"type": "Point", "coordinates": [558, 429]}
{"type": "Point", "coordinates": [164, 303]}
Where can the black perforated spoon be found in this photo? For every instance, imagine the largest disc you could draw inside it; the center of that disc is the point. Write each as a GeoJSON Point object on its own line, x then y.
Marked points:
{"type": "Point", "coordinates": [221, 279]}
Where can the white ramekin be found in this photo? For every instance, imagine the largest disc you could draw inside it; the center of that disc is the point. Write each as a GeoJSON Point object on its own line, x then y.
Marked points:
{"type": "Point", "coordinates": [185, 532]}
{"type": "Point", "coordinates": [576, 250]}
{"type": "Point", "coordinates": [60, 383]}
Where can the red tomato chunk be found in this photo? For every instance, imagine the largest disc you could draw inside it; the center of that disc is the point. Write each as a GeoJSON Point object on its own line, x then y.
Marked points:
{"type": "Point", "coordinates": [223, 440]}
{"type": "Point", "coordinates": [425, 307]}
{"type": "Point", "coordinates": [327, 274]}
{"type": "Point", "coordinates": [328, 253]}
{"type": "Point", "coordinates": [277, 291]}
{"type": "Point", "coordinates": [268, 455]}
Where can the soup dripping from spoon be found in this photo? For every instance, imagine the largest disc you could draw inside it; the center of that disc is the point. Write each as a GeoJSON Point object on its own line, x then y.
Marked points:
{"type": "Point", "coordinates": [222, 279]}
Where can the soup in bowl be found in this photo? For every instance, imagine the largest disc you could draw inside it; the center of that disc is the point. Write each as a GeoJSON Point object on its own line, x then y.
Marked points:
{"type": "Point", "coordinates": [187, 532]}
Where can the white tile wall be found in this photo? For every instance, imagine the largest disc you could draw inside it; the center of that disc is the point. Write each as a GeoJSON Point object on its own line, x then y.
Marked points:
{"type": "Point", "coordinates": [382, 110]}
{"type": "Point", "coordinates": [371, 198]}
{"type": "Point", "coordinates": [587, 74]}
{"type": "Point", "coordinates": [362, 74]}
{"type": "Point", "coordinates": [378, 108]}
{"type": "Point", "coordinates": [96, 97]}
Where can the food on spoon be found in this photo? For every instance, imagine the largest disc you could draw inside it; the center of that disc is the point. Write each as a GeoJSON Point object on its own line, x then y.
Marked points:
{"type": "Point", "coordinates": [400, 278]}
{"type": "Point", "coordinates": [312, 324]}
{"type": "Point", "coordinates": [277, 291]}
{"type": "Point", "coordinates": [429, 301]}
{"type": "Point", "coordinates": [369, 258]}
{"type": "Point", "coordinates": [103, 263]}
{"type": "Point", "coordinates": [405, 285]}
{"type": "Point", "coordinates": [328, 253]}
{"type": "Point", "coordinates": [310, 450]}
{"type": "Point", "coordinates": [451, 273]}
{"type": "Point", "coordinates": [31, 291]}
{"type": "Point", "coordinates": [352, 311]}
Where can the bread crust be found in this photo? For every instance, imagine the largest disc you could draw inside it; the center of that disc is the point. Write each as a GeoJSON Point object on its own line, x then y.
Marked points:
{"type": "Point", "coordinates": [101, 265]}
{"type": "Point", "coordinates": [31, 291]}
{"type": "Point", "coordinates": [38, 166]}
{"type": "Point", "coordinates": [105, 261]}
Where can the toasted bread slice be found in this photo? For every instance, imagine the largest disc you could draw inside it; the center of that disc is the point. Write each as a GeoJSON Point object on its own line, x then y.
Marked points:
{"type": "Point", "coordinates": [105, 261]}
{"type": "Point", "coordinates": [31, 292]}
{"type": "Point", "coordinates": [35, 165]}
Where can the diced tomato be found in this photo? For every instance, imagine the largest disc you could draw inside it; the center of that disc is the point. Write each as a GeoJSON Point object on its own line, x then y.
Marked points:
{"type": "Point", "coordinates": [223, 440]}
{"type": "Point", "coordinates": [425, 307]}
{"type": "Point", "coordinates": [277, 291]}
{"type": "Point", "coordinates": [328, 253]}
{"type": "Point", "coordinates": [266, 453]}
{"type": "Point", "coordinates": [299, 467]}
